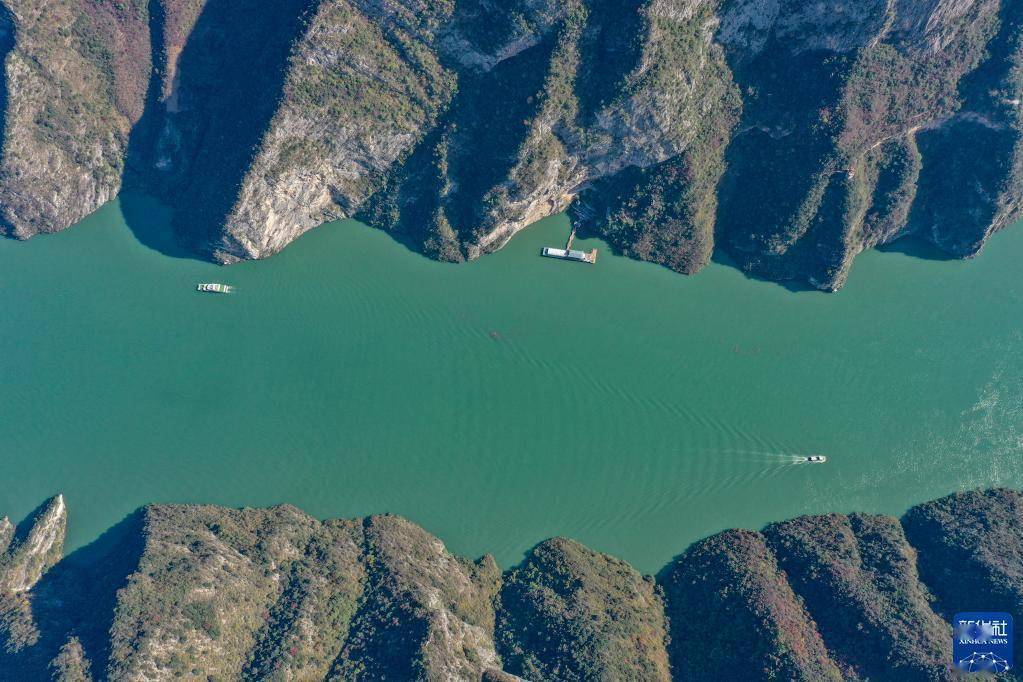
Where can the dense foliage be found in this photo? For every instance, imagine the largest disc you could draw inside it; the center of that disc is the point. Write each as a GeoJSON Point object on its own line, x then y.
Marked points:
{"type": "Point", "coordinates": [272, 594]}
{"type": "Point", "coordinates": [569, 613]}
{"type": "Point", "coordinates": [788, 135]}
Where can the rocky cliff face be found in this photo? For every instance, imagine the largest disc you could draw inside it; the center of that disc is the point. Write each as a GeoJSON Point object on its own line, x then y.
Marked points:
{"type": "Point", "coordinates": [274, 594]}
{"type": "Point", "coordinates": [26, 553]}
{"type": "Point", "coordinates": [197, 591]}
{"type": "Point", "coordinates": [869, 132]}
{"type": "Point", "coordinates": [75, 75]}
{"type": "Point", "coordinates": [793, 135]}
{"type": "Point", "coordinates": [27, 557]}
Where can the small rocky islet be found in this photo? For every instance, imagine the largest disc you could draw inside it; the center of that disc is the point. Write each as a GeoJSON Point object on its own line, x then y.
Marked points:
{"type": "Point", "coordinates": [191, 591]}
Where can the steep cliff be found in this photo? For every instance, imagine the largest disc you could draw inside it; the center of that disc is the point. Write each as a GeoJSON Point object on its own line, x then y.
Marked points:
{"type": "Point", "coordinates": [577, 103]}
{"type": "Point", "coordinates": [869, 130]}
{"type": "Point", "coordinates": [275, 594]}
{"type": "Point", "coordinates": [75, 75]}
{"type": "Point", "coordinates": [26, 554]}
{"type": "Point", "coordinates": [30, 554]}
{"type": "Point", "coordinates": [792, 135]}
{"type": "Point", "coordinates": [187, 591]}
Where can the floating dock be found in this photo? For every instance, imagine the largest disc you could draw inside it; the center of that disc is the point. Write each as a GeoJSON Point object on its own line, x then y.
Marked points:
{"type": "Point", "coordinates": [568, 253]}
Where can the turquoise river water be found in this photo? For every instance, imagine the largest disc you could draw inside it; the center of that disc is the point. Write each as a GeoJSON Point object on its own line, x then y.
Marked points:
{"type": "Point", "coordinates": [504, 401]}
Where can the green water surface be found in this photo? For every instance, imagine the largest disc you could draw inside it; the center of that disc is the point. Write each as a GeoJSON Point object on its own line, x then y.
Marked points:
{"type": "Point", "coordinates": [504, 401]}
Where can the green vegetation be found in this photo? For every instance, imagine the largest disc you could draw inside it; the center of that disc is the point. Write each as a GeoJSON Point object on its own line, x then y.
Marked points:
{"type": "Point", "coordinates": [829, 113]}
{"type": "Point", "coordinates": [76, 76]}
{"type": "Point", "coordinates": [664, 214]}
{"type": "Point", "coordinates": [786, 124]}
{"type": "Point", "coordinates": [727, 602]}
{"type": "Point", "coordinates": [792, 139]}
{"type": "Point", "coordinates": [272, 594]}
{"type": "Point", "coordinates": [167, 598]}
{"type": "Point", "coordinates": [309, 621]}
{"type": "Point", "coordinates": [857, 577]}
{"type": "Point", "coordinates": [971, 551]}
{"type": "Point", "coordinates": [70, 664]}
{"type": "Point", "coordinates": [569, 613]}
{"type": "Point", "coordinates": [896, 165]}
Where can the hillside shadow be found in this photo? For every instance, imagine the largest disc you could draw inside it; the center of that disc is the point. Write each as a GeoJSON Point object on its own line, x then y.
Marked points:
{"type": "Point", "coordinates": [721, 257]}
{"type": "Point", "coordinates": [967, 159]}
{"type": "Point", "coordinates": [148, 220]}
{"type": "Point", "coordinates": [916, 247]}
{"type": "Point", "coordinates": [76, 598]}
{"type": "Point", "coordinates": [610, 51]}
{"type": "Point", "coordinates": [229, 80]}
{"type": "Point", "coordinates": [469, 152]}
{"type": "Point", "coordinates": [7, 40]}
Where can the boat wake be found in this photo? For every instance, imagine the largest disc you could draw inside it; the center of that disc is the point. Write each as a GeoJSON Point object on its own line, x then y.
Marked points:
{"type": "Point", "coordinates": [777, 458]}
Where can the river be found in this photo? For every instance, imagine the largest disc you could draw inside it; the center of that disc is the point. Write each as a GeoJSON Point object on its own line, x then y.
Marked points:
{"type": "Point", "coordinates": [503, 401]}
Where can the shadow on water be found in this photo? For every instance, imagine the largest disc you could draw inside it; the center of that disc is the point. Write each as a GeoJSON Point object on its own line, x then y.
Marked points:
{"type": "Point", "coordinates": [228, 82]}
{"type": "Point", "coordinates": [150, 223]}
{"type": "Point", "coordinates": [76, 598]}
{"type": "Point", "coordinates": [148, 220]}
{"type": "Point", "coordinates": [917, 247]}
{"type": "Point", "coordinates": [721, 257]}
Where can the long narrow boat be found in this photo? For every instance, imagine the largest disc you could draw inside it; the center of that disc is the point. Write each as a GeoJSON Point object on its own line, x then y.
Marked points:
{"type": "Point", "coordinates": [570, 254]}
{"type": "Point", "coordinates": [214, 288]}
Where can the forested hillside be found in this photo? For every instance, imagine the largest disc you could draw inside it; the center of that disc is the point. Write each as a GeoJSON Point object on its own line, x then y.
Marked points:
{"type": "Point", "coordinates": [791, 135]}
{"type": "Point", "coordinates": [214, 593]}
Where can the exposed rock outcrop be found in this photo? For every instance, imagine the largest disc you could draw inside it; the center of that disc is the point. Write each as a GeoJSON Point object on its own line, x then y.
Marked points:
{"type": "Point", "coordinates": [425, 614]}
{"type": "Point", "coordinates": [6, 534]}
{"type": "Point", "coordinates": [357, 98]}
{"type": "Point", "coordinates": [836, 150]}
{"type": "Point", "coordinates": [28, 557]}
{"type": "Point", "coordinates": [75, 75]}
{"type": "Point", "coordinates": [791, 134]}
{"type": "Point", "coordinates": [26, 554]}
{"type": "Point", "coordinates": [264, 593]}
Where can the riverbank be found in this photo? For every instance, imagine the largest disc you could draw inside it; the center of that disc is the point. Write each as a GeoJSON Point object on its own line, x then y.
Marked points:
{"type": "Point", "coordinates": [466, 398]}
{"type": "Point", "coordinates": [256, 593]}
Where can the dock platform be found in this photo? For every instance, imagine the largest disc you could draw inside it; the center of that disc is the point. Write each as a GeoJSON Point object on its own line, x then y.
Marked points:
{"type": "Point", "coordinates": [568, 253]}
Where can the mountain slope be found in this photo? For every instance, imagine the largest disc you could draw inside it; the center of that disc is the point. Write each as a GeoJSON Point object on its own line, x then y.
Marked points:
{"type": "Point", "coordinates": [274, 594]}
{"type": "Point", "coordinates": [789, 135]}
